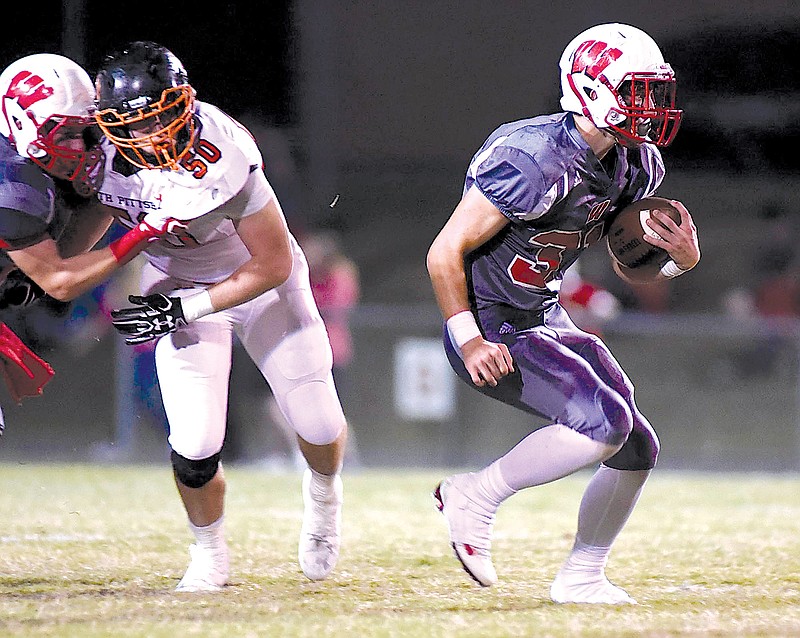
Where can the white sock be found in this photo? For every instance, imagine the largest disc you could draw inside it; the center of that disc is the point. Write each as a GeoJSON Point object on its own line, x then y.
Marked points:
{"type": "Point", "coordinates": [548, 454]}
{"type": "Point", "coordinates": [492, 488]}
{"type": "Point", "coordinates": [209, 536]}
{"type": "Point", "coordinates": [607, 504]}
{"type": "Point", "coordinates": [322, 485]}
{"type": "Point", "coordinates": [587, 559]}
{"type": "Point", "coordinates": [605, 508]}
{"type": "Point", "coordinates": [582, 578]}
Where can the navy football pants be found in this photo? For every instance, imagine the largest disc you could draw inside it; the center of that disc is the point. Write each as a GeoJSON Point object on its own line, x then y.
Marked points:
{"type": "Point", "coordinates": [567, 376]}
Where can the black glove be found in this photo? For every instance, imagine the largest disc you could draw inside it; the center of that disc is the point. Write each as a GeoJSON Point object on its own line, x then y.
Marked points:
{"type": "Point", "coordinates": [18, 290]}
{"type": "Point", "coordinates": [156, 316]}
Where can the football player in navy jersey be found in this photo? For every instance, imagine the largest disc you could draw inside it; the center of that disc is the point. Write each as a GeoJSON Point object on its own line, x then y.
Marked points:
{"type": "Point", "coordinates": [538, 193]}
{"type": "Point", "coordinates": [51, 166]}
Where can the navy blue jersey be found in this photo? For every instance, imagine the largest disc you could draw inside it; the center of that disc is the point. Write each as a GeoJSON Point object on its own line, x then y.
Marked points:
{"type": "Point", "coordinates": [27, 201]}
{"type": "Point", "coordinates": [560, 199]}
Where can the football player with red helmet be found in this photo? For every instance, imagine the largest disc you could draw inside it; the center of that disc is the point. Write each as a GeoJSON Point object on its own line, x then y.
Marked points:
{"type": "Point", "coordinates": [536, 195]}
{"type": "Point", "coordinates": [234, 268]}
{"type": "Point", "coordinates": [51, 166]}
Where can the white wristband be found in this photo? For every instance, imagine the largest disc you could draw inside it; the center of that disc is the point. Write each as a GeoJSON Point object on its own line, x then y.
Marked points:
{"type": "Point", "coordinates": [462, 327]}
{"type": "Point", "coordinates": [671, 270]}
{"type": "Point", "coordinates": [197, 306]}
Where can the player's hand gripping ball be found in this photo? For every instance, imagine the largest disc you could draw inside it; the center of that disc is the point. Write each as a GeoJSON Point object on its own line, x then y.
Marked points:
{"type": "Point", "coordinates": [626, 234]}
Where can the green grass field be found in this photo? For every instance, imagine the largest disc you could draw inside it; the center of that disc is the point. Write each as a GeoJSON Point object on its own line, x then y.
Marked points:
{"type": "Point", "coordinates": [96, 551]}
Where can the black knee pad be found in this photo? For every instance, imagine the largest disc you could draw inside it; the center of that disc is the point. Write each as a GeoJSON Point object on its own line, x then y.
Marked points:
{"type": "Point", "coordinates": [639, 452]}
{"type": "Point", "coordinates": [194, 473]}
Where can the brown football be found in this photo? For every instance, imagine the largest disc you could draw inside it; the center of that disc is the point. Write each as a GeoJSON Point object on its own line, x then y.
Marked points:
{"type": "Point", "coordinates": [626, 234]}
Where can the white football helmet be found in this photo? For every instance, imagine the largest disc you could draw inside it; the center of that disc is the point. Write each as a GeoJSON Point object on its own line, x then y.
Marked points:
{"type": "Point", "coordinates": [615, 75]}
{"type": "Point", "coordinates": [48, 100]}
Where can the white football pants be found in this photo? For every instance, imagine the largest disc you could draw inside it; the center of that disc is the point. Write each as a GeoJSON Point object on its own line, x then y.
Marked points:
{"type": "Point", "coordinates": [283, 334]}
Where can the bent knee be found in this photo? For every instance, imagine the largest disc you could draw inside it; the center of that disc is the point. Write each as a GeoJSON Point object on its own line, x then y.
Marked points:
{"type": "Point", "coordinates": [640, 451]}
{"type": "Point", "coordinates": [608, 419]}
{"type": "Point", "coordinates": [314, 412]}
{"type": "Point", "coordinates": [194, 473]}
{"type": "Point", "coordinates": [197, 443]}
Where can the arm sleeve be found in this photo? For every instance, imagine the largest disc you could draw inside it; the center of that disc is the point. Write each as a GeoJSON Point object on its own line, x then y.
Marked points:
{"type": "Point", "coordinates": [512, 180]}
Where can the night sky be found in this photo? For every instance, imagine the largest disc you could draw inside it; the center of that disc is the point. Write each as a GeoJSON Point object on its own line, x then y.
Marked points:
{"type": "Point", "coordinates": [225, 60]}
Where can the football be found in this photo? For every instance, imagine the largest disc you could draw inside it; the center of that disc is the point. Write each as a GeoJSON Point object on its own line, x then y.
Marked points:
{"type": "Point", "coordinates": [626, 233]}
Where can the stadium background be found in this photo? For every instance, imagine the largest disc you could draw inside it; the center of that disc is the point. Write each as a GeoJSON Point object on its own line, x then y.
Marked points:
{"type": "Point", "coordinates": [378, 107]}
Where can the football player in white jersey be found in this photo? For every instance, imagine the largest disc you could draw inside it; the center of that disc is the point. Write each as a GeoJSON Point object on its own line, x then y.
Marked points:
{"type": "Point", "coordinates": [232, 267]}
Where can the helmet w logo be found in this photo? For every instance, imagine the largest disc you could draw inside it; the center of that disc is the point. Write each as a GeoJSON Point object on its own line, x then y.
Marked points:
{"type": "Point", "coordinates": [28, 89]}
{"type": "Point", "coordinates": [593, 57]}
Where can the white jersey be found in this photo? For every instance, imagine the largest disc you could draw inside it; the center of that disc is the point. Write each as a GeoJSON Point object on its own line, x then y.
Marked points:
{"type": "Point", "coordinates": [222, 181]}
{"type": "Point", "coordinates": [281, 330]}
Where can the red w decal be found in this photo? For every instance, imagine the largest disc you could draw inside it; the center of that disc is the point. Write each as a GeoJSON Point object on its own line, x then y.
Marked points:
{"type": "Point", "coordinates": [593, 57]}
{"type": "Point", "coordinates": [28, 89]}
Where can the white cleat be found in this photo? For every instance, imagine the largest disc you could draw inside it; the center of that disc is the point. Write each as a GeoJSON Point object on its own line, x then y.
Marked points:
{"type": "Point", "coordinates": [588, 588]}
{"type": "Point", "coordinates": [470, 527]}
{"type": "Point", "coordinates": [207, 571]}
{"type": "Point", "coordinates": [320, 534]}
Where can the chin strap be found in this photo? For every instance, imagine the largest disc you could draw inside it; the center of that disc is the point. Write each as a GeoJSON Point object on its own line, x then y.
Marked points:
{"type": "Point", "coordinates": [24, 372]}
